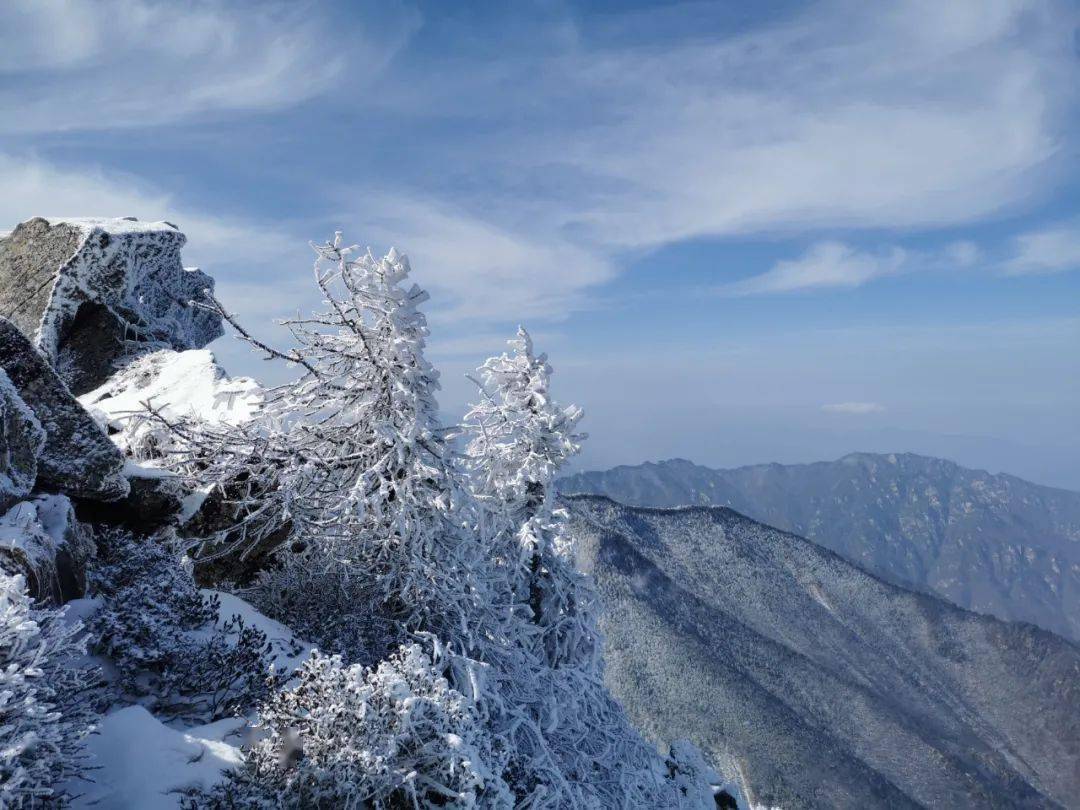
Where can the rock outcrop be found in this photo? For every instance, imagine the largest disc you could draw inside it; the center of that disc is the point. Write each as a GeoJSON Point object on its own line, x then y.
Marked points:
{"type": "Point", "coordinates": [155, 500]}
{"type": "Point", "coordinates": [42, 540]}
{"type": "Point", "coordinates": [21, 439]}
{"type": "Point", "coordinates": [92, 293]}
{"type": "Point", "coordinates": [77, 458]}
{"type": "Point", "coordinates": [184, 385]}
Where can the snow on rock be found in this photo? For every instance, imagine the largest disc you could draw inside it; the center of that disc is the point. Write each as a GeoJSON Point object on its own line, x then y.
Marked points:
{"type": "Point", "coordinates": [21, 439]}
{"type": "Point", "coordinates": [77, 457]}
{"type": "Point", "coordinates": [143, 763]}
{"type": "Point", "coordinates": [188, 384]}
{"type": "Point", "coordinates": [95, 292]}
{"type": "Point", "coordinates": [288, 652]}
{"type": "Point", "coordinates": [42, 540]}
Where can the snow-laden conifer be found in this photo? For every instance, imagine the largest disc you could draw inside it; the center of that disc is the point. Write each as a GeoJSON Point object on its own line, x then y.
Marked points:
{"type": "Point", "coordinates": [519, 439]}
{"type": "Point", "coordinates": [383, 546]}
{"type": "Point", "coordinates": [346, 466]}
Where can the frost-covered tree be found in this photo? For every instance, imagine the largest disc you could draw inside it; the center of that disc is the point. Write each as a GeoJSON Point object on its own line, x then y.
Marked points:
{"type": "Point", "coordinates": [44, 711]}
{"type": "Point", "coordinates": [383, 546]}
{"type": "Point", "coordinates": [519, 439]}
{"type": "Point", "coordinates": [347, 467]}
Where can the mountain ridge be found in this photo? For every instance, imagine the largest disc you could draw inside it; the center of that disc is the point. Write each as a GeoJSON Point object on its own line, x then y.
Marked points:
{"type": "Point", "coordinates": [819, 682]}
{"type": "Point", "coordinates": [993, 543]}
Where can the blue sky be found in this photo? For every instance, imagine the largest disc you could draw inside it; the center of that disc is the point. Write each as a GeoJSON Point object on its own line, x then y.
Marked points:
{"type": "Point", "coordinates": [743, 232]}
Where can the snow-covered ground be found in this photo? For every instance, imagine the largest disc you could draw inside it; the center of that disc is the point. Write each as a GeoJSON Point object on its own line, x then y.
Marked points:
{"type": "Point", "coordinates": [140, 762]}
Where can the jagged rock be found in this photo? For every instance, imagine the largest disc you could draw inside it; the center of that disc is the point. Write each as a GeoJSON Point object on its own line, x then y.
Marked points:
{"type": "Point", "coordinates": [21, 439]}
{"type": "Point", "coordinates": [42, 540]}
{"type": "Point", "coordinates": [77, 457]}
{"type": "Point", "coordinates": [93, 293]}
{"type": "Point", "coordinates": [155, 500]}
{"type": "Point", "coordinates": [184, 385]}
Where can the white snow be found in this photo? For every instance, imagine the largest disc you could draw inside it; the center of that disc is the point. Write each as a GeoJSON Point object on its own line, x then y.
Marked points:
{"type": "Point", "coordinates": [36, 528]}
{"type": "Point", "coordinates": [183, 385]}
{"type": "Point", "coordinates": [113, 225]}
{"type": "Point", "coordinates": [289, 652]}
{"type": "Point", "coordinates": [134, 469]}
{"type": "Point", "coordinates": [142, 763]}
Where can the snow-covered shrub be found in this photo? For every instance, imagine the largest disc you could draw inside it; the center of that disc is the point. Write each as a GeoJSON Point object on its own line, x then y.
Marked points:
{"type": "Point", "coordinates": [393, 736]}
{"type": "Point", "coordinates": [44, 710]}
{"type": "Point", "coordinates": [693, 777]}
{"type": "Point", "coordinates": [163, 635]}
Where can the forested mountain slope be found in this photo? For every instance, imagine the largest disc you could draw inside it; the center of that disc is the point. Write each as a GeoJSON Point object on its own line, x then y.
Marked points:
{"type": "Point", "coordinates": [991, 543]}
{"type": "Point", "coordinates": [820, 684]}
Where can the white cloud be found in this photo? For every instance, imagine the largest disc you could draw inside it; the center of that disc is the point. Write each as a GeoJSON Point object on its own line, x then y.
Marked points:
{"type": "Point", "coordinates": [923, 115]}
{"type": "Point", "coordinates": [854, 408]}
{"type": "Point", "coordinates": [33, 187]}
{"type": "Point", "coordinates": [826, 264]}
{"type": "Point", "coordinates": [77, 64]}
{"type": "Point", "coordinates": [1050, 250]}
{"type": "Point", "coordinates": [837, 265]}
{"type": "Point", "coordinates": [478, 270]}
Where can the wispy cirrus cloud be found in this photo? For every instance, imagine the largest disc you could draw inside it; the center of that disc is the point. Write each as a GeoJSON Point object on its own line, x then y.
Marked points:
{"type": "Point", "coordinates": [477, 269]}
{"type": "Point", "coordinates": [924, 115]}
{"type": "Point", "coordinates": [846, 116]}
{"type": "Point", "coordinates": [843, 116]}
{"type": "Point", "coordinates": [830, 265]}
{"type": "Point", "coordinates": [82, 65]}
{"type": "Point", "coordinates": [1054, 249]}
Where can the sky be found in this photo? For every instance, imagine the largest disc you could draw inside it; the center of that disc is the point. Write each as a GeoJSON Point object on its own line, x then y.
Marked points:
{"type": "Point", "coordinates": [743, 232]}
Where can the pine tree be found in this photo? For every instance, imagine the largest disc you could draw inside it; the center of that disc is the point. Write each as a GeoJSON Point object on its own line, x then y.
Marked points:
{"type": "Point", "coordinates": [384, 546]}
{"type": "Point", "coordinates": [519, 440]}
{"type": "Point", "coordinates": [346, 470]}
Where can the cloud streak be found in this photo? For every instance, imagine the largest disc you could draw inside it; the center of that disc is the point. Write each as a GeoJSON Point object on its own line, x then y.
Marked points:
{"type": "Point", "coordinates": [854, 408]}
{"type": "Point", "coordinates": [81, 65]}
{"type": "Point", "coordinates": [836, 265]}
{"type": "Point", "coordinates": [1054, 249]}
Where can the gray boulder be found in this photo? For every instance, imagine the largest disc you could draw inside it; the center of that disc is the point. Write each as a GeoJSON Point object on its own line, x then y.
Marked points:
{"type": "Point", "coordinates": [154, 501]}
{"type": "Point", "coordinates": [92, 293]}
{"type": "Point", "coordinates": [77, 458]}
{"type": "Point", "coordinates": [42, 540]}
{"type": "Point", "coordinates": [21, 439]}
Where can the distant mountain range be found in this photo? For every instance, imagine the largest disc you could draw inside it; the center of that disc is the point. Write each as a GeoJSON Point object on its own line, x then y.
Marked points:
{"type": "Point", "coordinates": [819, 684]}
{"type": "Point", "coordinates": [995, 544]}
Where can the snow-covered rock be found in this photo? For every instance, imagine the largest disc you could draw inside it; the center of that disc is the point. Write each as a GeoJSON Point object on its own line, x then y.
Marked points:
{"type": "Point", "coordinates": [77, 457]}
{"type": "Point", "coordinates": [42, 540]}
{"type": "Point", "coordinates": [21, 438]}
{"type": "Point", "coordinates": [155, 499]}
{"type": "Point", "coordinates": [94, 292]}
{"type": "Point", "coordinates": [182, 385]}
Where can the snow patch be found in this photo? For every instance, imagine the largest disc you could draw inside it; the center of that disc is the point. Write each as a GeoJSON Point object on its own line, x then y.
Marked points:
{"type": "Point", "coordinates": [143, 763]}
{"type": "Point", "coordinates": [181, 385]}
